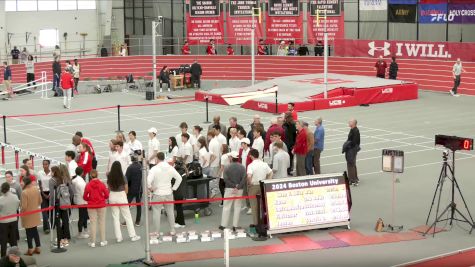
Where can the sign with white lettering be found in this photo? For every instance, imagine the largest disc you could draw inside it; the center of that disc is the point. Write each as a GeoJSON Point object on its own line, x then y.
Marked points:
{"type": "Point", "coordinates": [204, 21]}
{"type": "Point", "coordinates": [284, 21]}
{"type": "Point", "coordinates": [307, 202]}
{"type": "Point", "coordinates": [373, 5]}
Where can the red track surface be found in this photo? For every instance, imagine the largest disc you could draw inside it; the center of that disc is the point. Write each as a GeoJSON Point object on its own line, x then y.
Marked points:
{"type": "Point", "coordinates": [462, 259]}
{"type": "Point", "coordinates": [429, 74]}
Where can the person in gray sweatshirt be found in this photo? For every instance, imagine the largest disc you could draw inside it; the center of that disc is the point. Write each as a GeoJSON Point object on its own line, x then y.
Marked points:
{"type": "Point", "coordinates": [15, 187]}
{"type": "Point", "coordinates": [9, 204]}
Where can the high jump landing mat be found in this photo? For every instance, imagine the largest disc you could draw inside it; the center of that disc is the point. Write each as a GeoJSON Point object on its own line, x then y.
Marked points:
{"type": "Point", "coordinates": [307, 92]}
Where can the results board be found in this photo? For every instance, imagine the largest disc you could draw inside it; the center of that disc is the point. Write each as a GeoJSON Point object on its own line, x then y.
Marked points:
{"type": "Point", "coordinates": [307, 202]}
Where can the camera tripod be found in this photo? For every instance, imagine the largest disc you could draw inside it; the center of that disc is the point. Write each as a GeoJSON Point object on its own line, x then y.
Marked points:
{"type": "Point", "coordinates": [448, 172]}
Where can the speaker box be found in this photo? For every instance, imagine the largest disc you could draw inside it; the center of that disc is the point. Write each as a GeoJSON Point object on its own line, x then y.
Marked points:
{"type": "Point", "coordinates": [149, 95]}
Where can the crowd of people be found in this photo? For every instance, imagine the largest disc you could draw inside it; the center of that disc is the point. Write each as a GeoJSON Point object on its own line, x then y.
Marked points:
{"type": "Point", "coordinates": [285, 48]}
{"type": "Point", "coordinates": [236, 156]}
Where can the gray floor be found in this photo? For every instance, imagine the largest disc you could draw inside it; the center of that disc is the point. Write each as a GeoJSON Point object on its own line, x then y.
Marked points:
{"type": "Point", "coordinates": [409, 126]}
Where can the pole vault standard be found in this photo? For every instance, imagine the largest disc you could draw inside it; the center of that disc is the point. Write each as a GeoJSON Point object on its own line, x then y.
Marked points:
{"type": "Point", "coordinates": [255, 12]}
{"type": "Point", "coordinates": [155, 25]}
{"type": "Point", "coordinates": [325, 51]}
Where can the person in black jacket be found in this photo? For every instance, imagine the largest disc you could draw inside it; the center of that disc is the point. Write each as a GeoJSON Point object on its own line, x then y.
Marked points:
{"type": "Point", "coordinates": [290, 137]}
{"type": "Point", "coordinates": [393, 68]}
{"type": "Point", "coordinates": [134, 180]}
{"type": "Point", "coordinates": [318, 49]}
{"type": "Point", "coordinates": [57, 78]}
{"type": "Point", "coordinates": [303, 50]}
{"type": "Point", "coordinates": [104, 52]}
{"type": "Point", "coordinates": [164, 77]}
{"type": "Point", "coordinates": [351, 148]}
{"type": "Point", "coordinates": [196, 73]}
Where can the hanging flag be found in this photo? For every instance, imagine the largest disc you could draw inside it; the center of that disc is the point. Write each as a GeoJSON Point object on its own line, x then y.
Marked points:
{"type": "Point", "coordinates": [373, 5]}
{"type": "Point", "coordinates": [433, 13]}
{"type": "Point", "coordinates": [462, 13]}
{"type": "Point", "coordinates": [402, 13]}
{"type": "Point", "coordinates": [403, 2]}
{"type": "Point", "coordinates": [204, 21]}
{"type": "Point", "coordinates": [284, 21]}
{"type": "Point", "coordinates": [239, 22]}
{"type": "Point", "coordinates": [316, 20]}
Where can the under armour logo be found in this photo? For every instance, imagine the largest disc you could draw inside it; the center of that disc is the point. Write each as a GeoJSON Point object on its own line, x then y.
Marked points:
{"type": "Point", "coordinates": [373, 48]}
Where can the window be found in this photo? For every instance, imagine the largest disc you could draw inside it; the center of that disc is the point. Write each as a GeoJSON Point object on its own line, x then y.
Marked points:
{"type": "Point", "coordinates": [49, 37]}
{"type": "Point", "coordinates": [67, 5]}
{"type": "Point", "coordinates": [27, 5]}
{"type": "Point", "coordinates": [47, 5]}
{"type": "Point", "coordinates": [44, 5]}
{"type": "Point", "coordinates": [10, 5]}
{"type": "Point", "coordinates": [86, 4]}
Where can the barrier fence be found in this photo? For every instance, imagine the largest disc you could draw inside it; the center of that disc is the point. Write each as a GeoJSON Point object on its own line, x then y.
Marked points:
{"type": "Point", "coordinates": [21, 214]}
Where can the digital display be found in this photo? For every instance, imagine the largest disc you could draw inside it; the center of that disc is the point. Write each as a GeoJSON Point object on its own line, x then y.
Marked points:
{"type": "Point", "coordinates": [308, 202]}
{"type": "Point", "coordinates": [454, 142]}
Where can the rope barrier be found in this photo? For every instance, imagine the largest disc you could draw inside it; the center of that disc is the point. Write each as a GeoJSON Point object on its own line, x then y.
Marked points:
{"type": "Point", "coordinates": [22, 214]}
{"type": "Point", "coordinates": [95, 109]}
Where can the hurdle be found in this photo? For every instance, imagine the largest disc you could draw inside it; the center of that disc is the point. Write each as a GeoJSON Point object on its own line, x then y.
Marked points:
{"type": "Point", "coordinates": [17, 150]}
{"type": "Point", "coordinates": [41, 82]}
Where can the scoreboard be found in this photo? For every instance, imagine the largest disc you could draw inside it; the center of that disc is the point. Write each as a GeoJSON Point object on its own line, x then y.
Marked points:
{"type": "Point", "coordinates": [307, 202]}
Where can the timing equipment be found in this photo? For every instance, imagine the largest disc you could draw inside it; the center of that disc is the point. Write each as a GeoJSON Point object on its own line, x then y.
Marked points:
{"type": "Point", "coordinates": [453, 143]}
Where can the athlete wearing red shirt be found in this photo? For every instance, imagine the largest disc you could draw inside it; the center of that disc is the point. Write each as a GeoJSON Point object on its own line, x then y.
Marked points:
{"type": "Point", "coordinates": [67, 83]}
{"type": "Point", "coordinates": [185, 50]}
{"type": "Point", "coordinates": [380, 67]}
{"type": "Point", "coordinates": [230, 50]}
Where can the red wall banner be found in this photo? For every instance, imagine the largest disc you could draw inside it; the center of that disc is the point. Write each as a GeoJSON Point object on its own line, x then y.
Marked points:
{"type": "Point", "coordinates": [204, 21]}
{"type": "Point", "coordinates": [405, 49]}
{"type": "Point", "coordinates": [335, 20]}
{"type": "Point", "coordinates": [284, 21]}
{"type": "Point", "coordinates": [239, 22]}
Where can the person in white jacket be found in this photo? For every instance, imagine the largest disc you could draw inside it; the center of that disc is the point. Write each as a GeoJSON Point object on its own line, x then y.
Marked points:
{"type": "Point", "coordinates": [159, 182]}
{"type": "Point", "coordinates": [79, 184]}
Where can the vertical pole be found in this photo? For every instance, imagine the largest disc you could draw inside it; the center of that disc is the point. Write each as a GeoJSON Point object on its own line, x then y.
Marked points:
{"type": "Point", "coordinates": [358, 19]}
{"type": "Point", "coordinates": [325, 59]}
{"type": "Point", "coordinates": [207, 117]}
{"type": "Point", "coordinates": [3, 155]}
{"type": "Point", "coordinates": [276, 104]}
{"type": "Point", "coordinates": [148, 257]}
{"type": "Point", "coordinates": [118, 118]}
{"type": "Point", "coordinates": [253, 56]}
{"type": "Point", "coordinates": [154, 58]}
{"type": "Point", "coordinates": [4, 129]}
{"type": "Point", "coordinates": [17, 159]}
{"type": "Point", "coordinates": [226, 247]}
{"type": "Point", "coordinates": [32, 158]}
{"type": "Point", "coordinates": [387, 21]}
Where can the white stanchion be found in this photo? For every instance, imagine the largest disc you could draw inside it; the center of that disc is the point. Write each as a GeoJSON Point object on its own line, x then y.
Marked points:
{"type": "Point", "coordinates": [44, 89]}
{"type": "Point", "coordinates": [227, 232]}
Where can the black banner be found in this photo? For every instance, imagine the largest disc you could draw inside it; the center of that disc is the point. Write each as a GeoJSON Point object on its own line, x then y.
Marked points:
{"type": "Point", "coordinates": [239, 8]}
{"type": "Point", "coordinates": [201, 8]}
{"type": "Point", "coordinates": [333, 7]}
{"type": "Point", "coordinates": [402, 13]}
{"type": "Point", "coordinates": [284, 8]}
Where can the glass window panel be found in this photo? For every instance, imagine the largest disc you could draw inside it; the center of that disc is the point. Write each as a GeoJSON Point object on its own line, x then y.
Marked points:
{"type": "Point", "coordinates": [27, 5]}
{"type": "Point", "coordinates": [10, 5]}
{"type": "Point", "coordinates": [47, 4]}
{"type": "Point", "coordinates": [49, 37]}
{"type": "Point", "coordinates": [67, 5]}
{"type": "Point", "coordinates": [87, 4]}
